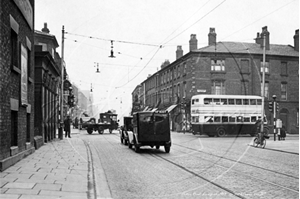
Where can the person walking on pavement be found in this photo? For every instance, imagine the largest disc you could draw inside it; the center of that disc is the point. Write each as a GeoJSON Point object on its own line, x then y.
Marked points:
{"type": "Point", "coordinates": [282, 133]}
{"type": "Point", "coordinates": [67, 127]}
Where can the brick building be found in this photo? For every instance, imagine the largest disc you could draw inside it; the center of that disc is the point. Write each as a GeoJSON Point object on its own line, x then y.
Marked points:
{"type": "Point", "coordinates": [228, 68]}
{"type": "Point", "coordinates": [16, 80]}
{"type": "Point", "coordinates": [47, 86]}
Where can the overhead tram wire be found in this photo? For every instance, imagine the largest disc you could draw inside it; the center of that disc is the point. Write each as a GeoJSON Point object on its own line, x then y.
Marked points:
{"type": "Point", "coordinates": [163, 43]}
{"type": "Point", "coordinates": [259, 19]}
{"type": "Point", "coordinates": [141, 69]}
{"type": "Point", "coordinates": [119, 41]}
{"type": "Point", "coordinates": [185, 21]}
{"type": "Point", "coordinates": [194, 23]}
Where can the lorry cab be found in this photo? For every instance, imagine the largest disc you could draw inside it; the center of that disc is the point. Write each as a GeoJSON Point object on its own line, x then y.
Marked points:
{"type": "Point", "coordinates": [150, 129]}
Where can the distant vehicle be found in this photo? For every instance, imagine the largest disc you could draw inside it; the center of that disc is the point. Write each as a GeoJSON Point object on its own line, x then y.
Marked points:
{"type": "Point", "coordinates": [107, 120]}
{"type": "Point", "coordinates": [150, 129]}
{"type": "Point", "coordinates": [220, 115]}
{"type": "Point", "coordinates": [128, 126]}
{"type": "Point", "coordinates": [87, 120]}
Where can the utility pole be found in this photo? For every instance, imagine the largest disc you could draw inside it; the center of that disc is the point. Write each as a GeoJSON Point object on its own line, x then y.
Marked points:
{"type": "Point", "coordinates": [263, 90]}
{"type": "Point", "coordinates": [274, 115]}
{"type": "Point", "coordinates": [60, 135]}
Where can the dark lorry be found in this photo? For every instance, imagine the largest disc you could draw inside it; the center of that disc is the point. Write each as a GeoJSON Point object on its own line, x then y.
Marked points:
{"type": "Point", "coordinates": [150, 129]}
{"type": "Point", "coordinates": [107, 120]}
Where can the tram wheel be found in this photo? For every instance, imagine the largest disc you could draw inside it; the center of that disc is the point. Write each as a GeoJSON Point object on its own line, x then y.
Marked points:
{"type": "Point", "coordinates": [221, 132]}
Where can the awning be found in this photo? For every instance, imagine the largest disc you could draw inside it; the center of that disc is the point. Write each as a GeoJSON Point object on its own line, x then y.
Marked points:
{"type": "Point", "coordinates": [154, 109]}
{"type": "Point", "coordinates": [145, 108]}
{"type": "Point", "coordinates": [171, 108]}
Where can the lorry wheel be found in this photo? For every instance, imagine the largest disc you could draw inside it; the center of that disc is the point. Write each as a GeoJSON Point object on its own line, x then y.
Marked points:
{"type": "Point", "coordinates": [110, 130]}
{"type": "Point", "coordinates": [136, 148]}
{"type": "Point", "coordinates": [157, 146]}
{"type": "Point", "coordinates": [90, 131]}
{"type": "Point", "coordinates": [125, 141]}
{"type": "Point", "coordinates": [167, 148]}
{"type": "Point", "coordinates": [129, 145]}
{"type": "Point", "coordinates": [100, 130]}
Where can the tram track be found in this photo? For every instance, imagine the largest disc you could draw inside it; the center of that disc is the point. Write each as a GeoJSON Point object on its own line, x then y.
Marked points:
{"type": "Point", "coordinates": [244, 163]}
{"type": "Point", "coordinates": [224, 167]}
{"type": "Point", "coordinates": [256, 169]}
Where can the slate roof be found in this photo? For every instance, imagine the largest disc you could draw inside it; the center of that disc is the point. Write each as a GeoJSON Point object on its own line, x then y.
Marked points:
{"type": "Point", "coordinates": [252, 48]}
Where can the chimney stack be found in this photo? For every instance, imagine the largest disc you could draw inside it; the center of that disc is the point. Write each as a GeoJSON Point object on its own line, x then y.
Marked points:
{"type": "Point", "coordinates": [258, 39]}
{"type": "Point", "coordinates": [267, 36]}
{"type": "Point", "coordinates": [296, 40]}
{"type": "Point", "coordinates": [212, 37]}
{"type": "Point", "coordinates": [45, 29]}
{"type": "Point", "coordinates": [179, 52]}
{"type": "Point", "coordinates": [193, 42]}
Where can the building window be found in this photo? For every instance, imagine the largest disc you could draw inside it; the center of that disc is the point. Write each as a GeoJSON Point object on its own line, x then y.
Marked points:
{"type": "Point", "coordinates": [266, 90]}
{"type": "Point", "coordinates": [283, 68]}
{"type": "Point", "coordinates": [178, 90]}
{"type": "Point", "coordinates": [14, 128]}
{"type": "Point", "coordinates": [218, 88]}
{"type": "Point", "coordinates": [283, 91]}
{"type": "Point", "coordinates": [245, 66]}
{"type": "Point", "coordinates": [184, 68]}
{"type": "Point", "coordinates": [184, 90]}
{"type": "Point", "coordinates": [217, 65]}
{"type": "Point", "coordinates": [267, 67]}
{"type": "Point", "coordinates": [178, 71]}
{"type": "Point", "coordinates": [14, 48]}
{"type": "Point", "coordinates": [175, 72]}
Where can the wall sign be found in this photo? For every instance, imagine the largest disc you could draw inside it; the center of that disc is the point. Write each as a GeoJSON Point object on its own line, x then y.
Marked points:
{"type": "Point", "coordinates": [24, 75]}
{"type": "Point", "coordinates": [27, 11]}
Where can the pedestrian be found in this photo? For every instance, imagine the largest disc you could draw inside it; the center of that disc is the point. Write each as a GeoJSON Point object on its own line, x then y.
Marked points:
{"type": "Point", "coordinates": [282, 133]}
{"type": "Point", "coordinates": [67, 127]}
{"type": "Point", "coordinates": [76, 123]}
{"type": "Point", "coordinates": [80, 123]}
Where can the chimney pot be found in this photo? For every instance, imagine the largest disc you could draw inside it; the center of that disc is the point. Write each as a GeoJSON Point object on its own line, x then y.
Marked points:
{"type": "Point", "coordinates": [296, 40]}
{"type": "Point", "coordinates": [45, 29]}
{"type": "Point", "coordinates": [265, 33]}
{"type": "Point", "coordinates": [193, 42]}
{"type": "Point", "coordinates": [179, 52]}
{"type": "Point", "coordinates": [212, 37]}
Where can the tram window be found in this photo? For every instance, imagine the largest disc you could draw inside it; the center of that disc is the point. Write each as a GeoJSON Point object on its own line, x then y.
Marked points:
{"type": "Point", "coordinates": [231, 119]}
{"type": "Point", "coordinates": [208, 119]}
{"type": "Point", "coordinates": [259, 102]}
{"type": "Point", "coordinates": [246, 101]}
{"type": "Point", "coordinates": [195, 119]}
{"type": "Point", "coordinates": [253, 119]}
{"type": "Point", "coordinates": [216, 100]}
{"type": "Point", "coordinates": [217, 119]}
{"type": "Point", "coordinates": [207, 101]}
{"type": "Point", "coordinates": [239, 119]}
{"type": "Point", "coordinates": [194, 101]}
{"type": "Point", "coordinates": [224, 119]}
{"type": "Point", "coordinates": [224, 101]}
{"type": "Point", "coordinates": [253, 101]}
{"type": "Point", "coordinates": [238, 101]}
{"type": "Point", "coordinates": [231, 101]}
{"type": "Point", "coordinates": [246, 119]}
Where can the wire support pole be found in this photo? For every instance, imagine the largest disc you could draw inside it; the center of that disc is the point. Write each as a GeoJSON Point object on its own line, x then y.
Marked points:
{"type": "Point", "coordinates": [62, 87]}
{"type": "Point", "coordinates": [263, 89]}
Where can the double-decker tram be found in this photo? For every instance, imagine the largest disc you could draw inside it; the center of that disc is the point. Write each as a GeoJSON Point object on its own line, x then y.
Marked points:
{"type": "Point", "coordinates": [220, 115]}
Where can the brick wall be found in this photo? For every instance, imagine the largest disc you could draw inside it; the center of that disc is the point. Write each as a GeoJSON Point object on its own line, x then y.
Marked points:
{"type": "Point", "coordinates": [10, 79]}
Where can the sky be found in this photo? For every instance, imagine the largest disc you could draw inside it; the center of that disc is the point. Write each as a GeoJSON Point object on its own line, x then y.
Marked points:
{"type": "Point", "coordinates": [145, 33]}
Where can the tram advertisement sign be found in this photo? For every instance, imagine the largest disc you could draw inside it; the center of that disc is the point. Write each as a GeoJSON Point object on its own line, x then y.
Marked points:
{"type": "Point", "coordinates": [24, 75]}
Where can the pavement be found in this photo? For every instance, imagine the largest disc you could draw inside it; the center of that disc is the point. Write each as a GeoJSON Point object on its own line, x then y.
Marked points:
{"type": "Point", "coordinates": [61, 169]}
